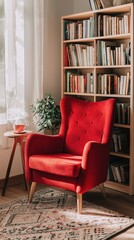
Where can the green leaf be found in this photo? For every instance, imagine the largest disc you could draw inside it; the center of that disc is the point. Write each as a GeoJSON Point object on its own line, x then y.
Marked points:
{"type": "Point", "coordinates": [46, 113]}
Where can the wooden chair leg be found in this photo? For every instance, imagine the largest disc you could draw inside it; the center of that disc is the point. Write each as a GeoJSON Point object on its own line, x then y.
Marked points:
{"type": "Point", "coordinates": [32, 190]}
{"type": "Point", "coordinates": [103, 190]}
{"type": "Point", "coordinates": [79, 203]}
{"type": "Point", "coordinates": [28, 187]}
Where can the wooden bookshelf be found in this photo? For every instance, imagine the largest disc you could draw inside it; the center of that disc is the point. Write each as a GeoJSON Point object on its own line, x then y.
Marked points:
{"type": "Point", "coordinates": [96, 64]}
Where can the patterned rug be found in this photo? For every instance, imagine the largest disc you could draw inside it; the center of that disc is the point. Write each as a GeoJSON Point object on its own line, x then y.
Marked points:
{"type": "Point", "coordinates": [52, 216]}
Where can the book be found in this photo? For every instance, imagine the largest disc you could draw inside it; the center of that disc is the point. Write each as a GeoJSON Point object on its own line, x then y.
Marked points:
{"type": "Point", "coordinates": [120, 171]}
{"type": "Point", "coordinates": [106, 4]}
{"type": "Point", "coordinates": [80, 29]}
{"type": "Point", "coordinates": [102, 3]}
{"type": "Point", "coordinates": [123, 113]}
{"type": "Point", "coordinates": [99, 4]}
{"type": "Point", "coordinates": [92, 2]}
{"type": "Point", "coordinates": [110, 176]}
{"type": "Point", "coordinates": [127, 89]}
{"type": "Point", "coordinates": [90, 7]}
{"type": "Point", "coordinates": [100, 25]}
{"type": "Point", "coordinates": [113, 172]}
{"type": "Point", "coordinates": [124, 169]}
{"type": "Point", "coordinates": [115, 141]}
{"type": "Point", "coordinates": [117, 172]}
{"type": "Point", "coordinates": [66, 58]}
{"type": "Point", "coordinates": [123, 142]}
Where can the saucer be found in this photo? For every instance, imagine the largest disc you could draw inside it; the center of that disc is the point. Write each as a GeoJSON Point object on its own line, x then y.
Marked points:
{"type": "Point", "coordinates": [16, 132]}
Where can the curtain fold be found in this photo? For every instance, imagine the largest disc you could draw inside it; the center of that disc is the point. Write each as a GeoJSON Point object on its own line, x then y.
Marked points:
{"type": "Point", "coordinates": [4, 143]}
{"type": "Point", "coordinates": [38, 48]}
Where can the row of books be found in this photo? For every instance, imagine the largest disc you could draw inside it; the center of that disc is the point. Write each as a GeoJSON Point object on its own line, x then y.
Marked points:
{"type": "Point", "coordinates": [122, 115]}
{"type": "Point", "coordinates": [106, 84]}
{"type": "Point", "coordinates": [108, 53]}
{"type": "Point", "coordinates": [113, 25]}
{"type": "Point", "coordinates": [112, 53]}
{"type": "Point", "coordinates": [79, 55]}
{"type": "Point", "coordinates": [119, 172]}
{"type": "Point", "coordinates": [79, 29]}
{"type": "Point", "coordinates": [96, 4]}
{"type": "Point", "coordinates": [106, 25]}
{"type": "Point", "coordinates": [113, 84]}
{"type": "Point", "coordinates": [79, 83]}
{"type": "Point", "coordinates": [119, 141]}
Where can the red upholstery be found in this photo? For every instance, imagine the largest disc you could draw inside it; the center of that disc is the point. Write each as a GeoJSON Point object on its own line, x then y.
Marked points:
{"type": "Point", "coordinates": [68, 166]}
{"type": "Point", "coordinates": [77, 158]}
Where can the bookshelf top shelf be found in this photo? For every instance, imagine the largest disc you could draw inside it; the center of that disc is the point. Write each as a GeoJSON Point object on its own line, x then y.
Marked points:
{"type": "Point", "coordinates": [112, 10]}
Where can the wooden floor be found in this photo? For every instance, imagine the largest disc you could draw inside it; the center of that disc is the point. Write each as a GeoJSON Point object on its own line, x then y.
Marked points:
{"type": "Point", "coordinates": [117, 201]}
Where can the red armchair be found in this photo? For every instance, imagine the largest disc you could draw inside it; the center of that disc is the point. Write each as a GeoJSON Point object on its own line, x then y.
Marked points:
{"type": "Point", "coordinates": [77, 158]}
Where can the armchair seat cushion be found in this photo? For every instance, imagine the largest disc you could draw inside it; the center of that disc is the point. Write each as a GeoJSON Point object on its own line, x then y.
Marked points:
{"type": "Point", "coordinates": [62, 164]}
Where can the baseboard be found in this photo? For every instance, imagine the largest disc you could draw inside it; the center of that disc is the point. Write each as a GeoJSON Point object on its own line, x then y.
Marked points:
{"type": "Point", "coordinates": [18, 179]}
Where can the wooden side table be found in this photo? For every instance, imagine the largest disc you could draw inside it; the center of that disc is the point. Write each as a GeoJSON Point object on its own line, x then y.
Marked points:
{"type": "Point", "coordinates": [18, 138]}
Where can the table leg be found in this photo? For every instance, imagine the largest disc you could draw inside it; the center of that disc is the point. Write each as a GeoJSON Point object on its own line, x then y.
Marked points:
{"type": "Point", "coordinates": [9, 167]}
{"type": "Point", "coordinates": [21, 142]}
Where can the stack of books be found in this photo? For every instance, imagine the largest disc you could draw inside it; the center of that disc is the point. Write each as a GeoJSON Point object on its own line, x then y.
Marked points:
{"type": "Point", "coordinates": [113, 25]}
{"type": "Point", "coordinates": [112, 53]}
{"type": "Point", "coordinates": [113, 84]}
{"type": "Point", "coordinates": [119, 141]}
{"type": "Point", "coordinates": [79, 83]}
{"type": "Point", "coordinates": [122, 113]}
{"type": "Point", "coordinates": [96, 4]}
{"type": "Point", "coordinates": [79, 55]}
{"type": "Point", "coordinates": [119, 172]}
{"type": "Point", "coordinates": [79, 29]}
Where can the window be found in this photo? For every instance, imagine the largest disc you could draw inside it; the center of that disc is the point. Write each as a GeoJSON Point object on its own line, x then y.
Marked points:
{"type": "Point", "coordinates": [21, 60]}
{"type": "Point", "coordinates": [12, 89]}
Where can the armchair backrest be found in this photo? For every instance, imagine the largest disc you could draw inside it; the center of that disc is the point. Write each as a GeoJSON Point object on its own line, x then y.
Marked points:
{"type": "Point", "coordinates": [84, 121]}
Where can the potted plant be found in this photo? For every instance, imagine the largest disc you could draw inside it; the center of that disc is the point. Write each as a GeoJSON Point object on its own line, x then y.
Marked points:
{"type": "Point", "coordinates": [46, 114]}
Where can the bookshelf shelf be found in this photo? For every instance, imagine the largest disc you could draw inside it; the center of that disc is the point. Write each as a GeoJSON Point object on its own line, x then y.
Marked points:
{"type": "Point", "coordinates": [120, 155]}
{"type": "Point", "coordinates": [80, 40]}
{"type": "Point", "coordinates": [113, 66]}
{"type": "Point", "coordinates": [121, 125]}
{"type": "Point", "coordinates": [113, 95]}
{"type": "Point", "coordinates": [96, 67]}
{"type": "Point", "coordinates": [79, 67]}
{"type": "Point", "coordinates": [118, 37]}
{"type": "Point", "coordinates": [117, 186]}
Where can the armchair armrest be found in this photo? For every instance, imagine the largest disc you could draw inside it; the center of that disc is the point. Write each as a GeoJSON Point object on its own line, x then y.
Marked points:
{"type": "Point", "coordinates": [43, 144]}
{"type": "Point", "coordinates": [96, 151]}
{"type": "Point", "coordinates": [94, 165]}
{"type": "Point", "coordinates": [39, 144]}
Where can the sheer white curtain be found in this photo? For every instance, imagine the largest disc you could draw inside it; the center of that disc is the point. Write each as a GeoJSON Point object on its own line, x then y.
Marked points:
{"type": "Point", "coordinates": [21, 59]}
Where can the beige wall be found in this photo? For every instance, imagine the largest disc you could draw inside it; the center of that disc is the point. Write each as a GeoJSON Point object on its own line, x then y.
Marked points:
{"type": "Point", "coordinates": [81, 6]}
{"type": "Point", "coordinates": [53, 12]}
